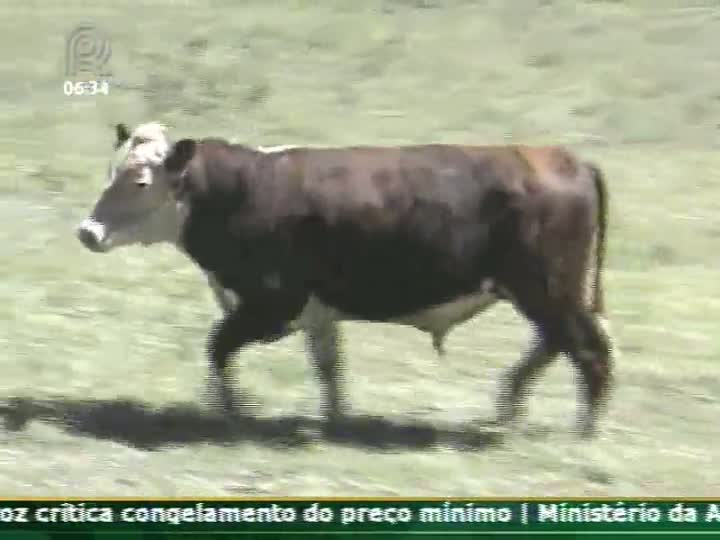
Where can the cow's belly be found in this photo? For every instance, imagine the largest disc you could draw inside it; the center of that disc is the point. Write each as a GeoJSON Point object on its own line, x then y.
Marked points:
{"type": "Point", "coordinates": [437, 319]}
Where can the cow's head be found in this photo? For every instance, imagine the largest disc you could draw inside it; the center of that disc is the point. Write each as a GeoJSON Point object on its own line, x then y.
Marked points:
{"type": "Point", "coordinates": [138, 204]}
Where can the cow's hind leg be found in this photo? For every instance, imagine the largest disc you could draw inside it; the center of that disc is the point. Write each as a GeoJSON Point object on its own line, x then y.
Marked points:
{"type": "Point", "coordinates": [323, 342]}
{"type": "Point", "coordinates": [573, 330]}
{"type": "Point", "coordinates": [514, 387]}
{"type": "Point", "coordinates": [564, 326]}
{"type": "Point", "coordinates": [590, 352]}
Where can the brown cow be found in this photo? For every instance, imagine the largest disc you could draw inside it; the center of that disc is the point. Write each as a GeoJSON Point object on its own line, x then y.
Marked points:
{"type": "Point", "coordinates": [424, 235]}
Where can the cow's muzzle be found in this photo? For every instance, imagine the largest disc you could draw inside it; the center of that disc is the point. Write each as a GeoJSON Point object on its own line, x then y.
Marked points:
{"type": "Point", "coordinates": [92, 235]}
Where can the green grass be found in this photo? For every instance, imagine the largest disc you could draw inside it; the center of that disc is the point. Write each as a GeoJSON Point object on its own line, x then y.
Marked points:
{"type": "Point", "coordinates": [102, 356]}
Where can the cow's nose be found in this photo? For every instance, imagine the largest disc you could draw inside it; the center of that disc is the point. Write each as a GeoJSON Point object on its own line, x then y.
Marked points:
{"type": "Point", "coordinates": [89, 237]}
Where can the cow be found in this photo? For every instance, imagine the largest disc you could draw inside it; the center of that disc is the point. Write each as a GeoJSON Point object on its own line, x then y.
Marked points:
{"type": "Point", "coordinates": [424, 235]}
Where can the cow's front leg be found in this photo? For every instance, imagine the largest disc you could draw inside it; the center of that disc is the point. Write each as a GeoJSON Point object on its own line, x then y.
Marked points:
{"type": "Point", "coordinates": [260, 320]}
{"type": "Point", "coordinates": [228, 301]}
{"type": "Point", "coordinates": [226, 337]}
{"type": "Point", "coordinates": [224, 298]}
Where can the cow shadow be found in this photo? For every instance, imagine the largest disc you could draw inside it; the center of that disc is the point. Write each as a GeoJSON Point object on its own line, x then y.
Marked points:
{"type": "Point", "coordinates": [140, 425]}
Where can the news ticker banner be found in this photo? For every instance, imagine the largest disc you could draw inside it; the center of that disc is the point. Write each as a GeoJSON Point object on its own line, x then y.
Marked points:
{"type": "Point", "coordinates": [375, 517]}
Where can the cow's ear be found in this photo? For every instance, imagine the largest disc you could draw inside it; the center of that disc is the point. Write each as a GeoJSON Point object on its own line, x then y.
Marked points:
{"type": "Point", "coordinates": [123, 134]}
{"type": "Point", "coordinates": [180, 155]}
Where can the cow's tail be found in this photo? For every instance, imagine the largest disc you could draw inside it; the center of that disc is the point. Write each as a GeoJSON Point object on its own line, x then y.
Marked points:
{"type": "Point", "coordinates": [597, 304]}
{"type": "Point", "coordinates": [598, 300]}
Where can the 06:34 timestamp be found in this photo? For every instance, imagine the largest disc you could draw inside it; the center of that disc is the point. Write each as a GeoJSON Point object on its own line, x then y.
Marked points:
{"type": "Point", "coordinates": [86, 88]}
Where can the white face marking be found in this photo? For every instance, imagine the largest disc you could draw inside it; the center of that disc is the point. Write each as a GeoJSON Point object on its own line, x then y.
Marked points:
{"type": "Point", "coordinates": [137, 206]}
{"type": "Point", "coordinates": [148, 145]}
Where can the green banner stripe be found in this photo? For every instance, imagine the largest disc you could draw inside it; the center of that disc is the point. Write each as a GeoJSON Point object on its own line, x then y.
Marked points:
{"type": "Point", "coordinates": [369, 516]}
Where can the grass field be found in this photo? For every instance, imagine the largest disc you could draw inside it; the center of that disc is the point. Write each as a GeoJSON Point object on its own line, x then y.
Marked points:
{"type": "Point", "coordinates": [102, 356]}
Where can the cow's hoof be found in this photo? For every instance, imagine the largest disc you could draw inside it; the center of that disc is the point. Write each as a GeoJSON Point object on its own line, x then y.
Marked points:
{"type": "Point", "coordinates": [227, 402]}
{"type": "Point", "coordinates": [336, 420]}
{"type": "Point", "coordinates": [241, 407]}
{"type": "Point", "coordinates": [586, 427]}
{"type": "Point", "coordinates": [507, 411]}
